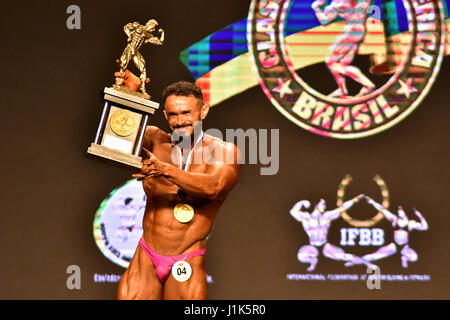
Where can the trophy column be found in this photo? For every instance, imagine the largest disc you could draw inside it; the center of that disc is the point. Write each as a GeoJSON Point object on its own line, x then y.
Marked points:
{"type": "Point", "coordinates": [122, 127]}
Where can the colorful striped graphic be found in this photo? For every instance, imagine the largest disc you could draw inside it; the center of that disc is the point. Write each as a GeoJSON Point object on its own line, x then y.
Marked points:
{"type": "Point", "coordinates": [222, 66]}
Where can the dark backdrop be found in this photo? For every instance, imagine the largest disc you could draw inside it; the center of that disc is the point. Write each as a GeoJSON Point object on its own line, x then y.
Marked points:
{"type": "Point", "coordinates": [51, 82]}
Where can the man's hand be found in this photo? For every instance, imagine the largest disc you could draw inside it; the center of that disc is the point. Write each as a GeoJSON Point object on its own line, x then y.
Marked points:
{"type": "Point", "coordinates": [152, 167]}
{"type": "Point", "coordinates": [128, 79]}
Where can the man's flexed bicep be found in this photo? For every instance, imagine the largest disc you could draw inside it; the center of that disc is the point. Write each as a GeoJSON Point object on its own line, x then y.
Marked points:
{"type": "Point", "coordinates": [214, 183]}
{"type": "Point", "coordinates": [152, 136]}
{"type": "Point", "coordinates": [218, 179]}
{"type": "Point", "coordinates": [224, 177]}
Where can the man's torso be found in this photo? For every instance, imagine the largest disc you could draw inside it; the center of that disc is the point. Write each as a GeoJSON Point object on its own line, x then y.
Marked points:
{"type": "Point", "coordinates": [162, 231]}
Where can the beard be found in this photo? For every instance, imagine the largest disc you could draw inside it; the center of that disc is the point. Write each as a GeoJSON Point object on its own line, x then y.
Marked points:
{"type": "Point", "coordinates": [181, 133]}
{"type": "Point", "coordinates": [184, 135]}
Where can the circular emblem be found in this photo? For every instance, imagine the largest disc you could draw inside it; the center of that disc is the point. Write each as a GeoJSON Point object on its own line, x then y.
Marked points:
{"type": "Point", "coordinates": [123, 123]}
{"type": "Point", "coordinates": [118, 222]}
{"type": "Point", "coordinates": [181, 271]}
{"type": "Point", "coordinates": [403, 48]}
{"type": "Point", "coordinates": [184, 213]}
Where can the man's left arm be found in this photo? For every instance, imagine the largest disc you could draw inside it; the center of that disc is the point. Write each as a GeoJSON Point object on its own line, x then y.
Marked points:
{"type": "Point", "coordinates": [213, 184]}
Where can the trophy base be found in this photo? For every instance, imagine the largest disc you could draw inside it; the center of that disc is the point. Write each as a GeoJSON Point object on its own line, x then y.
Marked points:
{"type": "Point", "coordinates": [130, 99]}
{"type": "Point", "coordinates": [115, 155]}
{"type": "Point", "coordinates": [131, 92]}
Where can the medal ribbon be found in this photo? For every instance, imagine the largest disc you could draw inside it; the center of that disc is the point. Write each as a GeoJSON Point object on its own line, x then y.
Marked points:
{"type": "Point", "coordinates": [188, 159]}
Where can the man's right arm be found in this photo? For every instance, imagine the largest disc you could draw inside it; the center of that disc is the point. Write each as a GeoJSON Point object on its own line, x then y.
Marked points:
{"type": "Point", "coordinates": [151, 136]}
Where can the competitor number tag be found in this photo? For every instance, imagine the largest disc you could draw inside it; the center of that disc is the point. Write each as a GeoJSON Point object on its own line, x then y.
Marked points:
{"type": "Point", "coordinates": [181, 271]}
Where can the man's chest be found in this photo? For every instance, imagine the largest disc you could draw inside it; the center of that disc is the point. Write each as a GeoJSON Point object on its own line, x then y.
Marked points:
{"type": "Point", "coordinates": [195, 160]}
{"type": "Point", "coordinates": [164, 152]}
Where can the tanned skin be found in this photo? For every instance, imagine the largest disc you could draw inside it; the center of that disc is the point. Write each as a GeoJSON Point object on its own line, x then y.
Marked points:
{"type": "Point", "coordinates": [206, 185]}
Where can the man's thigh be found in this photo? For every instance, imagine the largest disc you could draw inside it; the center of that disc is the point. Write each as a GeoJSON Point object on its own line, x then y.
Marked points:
{"type": "Point", "coordinates": [140, 281]}
{"type": "Point", "coordinates": [193, 289]}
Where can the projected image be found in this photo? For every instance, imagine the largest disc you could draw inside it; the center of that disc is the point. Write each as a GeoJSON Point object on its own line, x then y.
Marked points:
{"type": "Point", "coordinates": [364, 234]}
{"type": "Point", "coordinates": [377, 60]}
{"type": "Point", "coordinates": [393, 38]}
{"type": "Point", "coordinates": [316, 226]}
{"type": "Point", "coordinates": [403, 226]}
{"type": "Point", "coordinates": [118, 222]}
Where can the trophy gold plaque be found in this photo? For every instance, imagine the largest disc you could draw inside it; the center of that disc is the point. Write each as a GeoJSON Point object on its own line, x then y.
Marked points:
{"type": "Point", "coordinates": [126, 113]}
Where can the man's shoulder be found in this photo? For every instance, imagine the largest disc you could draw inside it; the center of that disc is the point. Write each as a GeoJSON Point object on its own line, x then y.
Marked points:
{"type": "Point", "coordinates": [228, 150]}
{"type": "Point", "coordinates": [155, 134]}
{"type": "Point", "coordinates": [153, 130]}
{"type": "Point", "coordinates": [221, 143]}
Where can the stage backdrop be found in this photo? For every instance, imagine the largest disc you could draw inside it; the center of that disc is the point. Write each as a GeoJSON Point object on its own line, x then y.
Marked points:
{"type": "Point", "coordinates": [269, 68]}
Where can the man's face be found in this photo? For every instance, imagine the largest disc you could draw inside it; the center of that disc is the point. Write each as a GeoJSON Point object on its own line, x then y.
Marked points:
{"type": "Point", "coordinates": [182, 113]}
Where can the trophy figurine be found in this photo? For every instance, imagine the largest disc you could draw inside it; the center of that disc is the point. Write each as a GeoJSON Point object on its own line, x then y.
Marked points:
{"type": "Point", "coordinates": [126, 112]}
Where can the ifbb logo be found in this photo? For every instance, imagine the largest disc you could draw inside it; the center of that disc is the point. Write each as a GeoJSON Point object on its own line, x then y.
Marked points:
{"type": "Point", "coordinates": [316, 223]}
{"type": "Point", "coordinates": [405, 47]}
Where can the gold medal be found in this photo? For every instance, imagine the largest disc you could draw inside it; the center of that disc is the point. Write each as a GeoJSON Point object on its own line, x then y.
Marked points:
{"type": "Point", "coordinates": [123, 123]}
{"type": "Point", "coordinates": [184, 213]}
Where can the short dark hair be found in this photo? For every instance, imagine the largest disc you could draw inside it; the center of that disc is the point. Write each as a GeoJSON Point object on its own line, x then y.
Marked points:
{"type": "Point", "coordinates": [183, 89]}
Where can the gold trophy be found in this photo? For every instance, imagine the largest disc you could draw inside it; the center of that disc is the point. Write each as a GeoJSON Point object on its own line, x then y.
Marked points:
{"type": "Point", "coordinates": [126, 112]}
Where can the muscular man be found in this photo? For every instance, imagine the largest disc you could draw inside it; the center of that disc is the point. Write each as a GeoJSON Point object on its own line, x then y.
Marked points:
{"type": "Point", "coordinates": [137, 36]}
{"type": "Point", "coordinates": [401, 236]}
{"type": "Point", "coordinates": [316, 226]}
{"type": "Point", "coordinates": [201, 185]}
{"type": "Point", "coordinates": [354, 13]}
